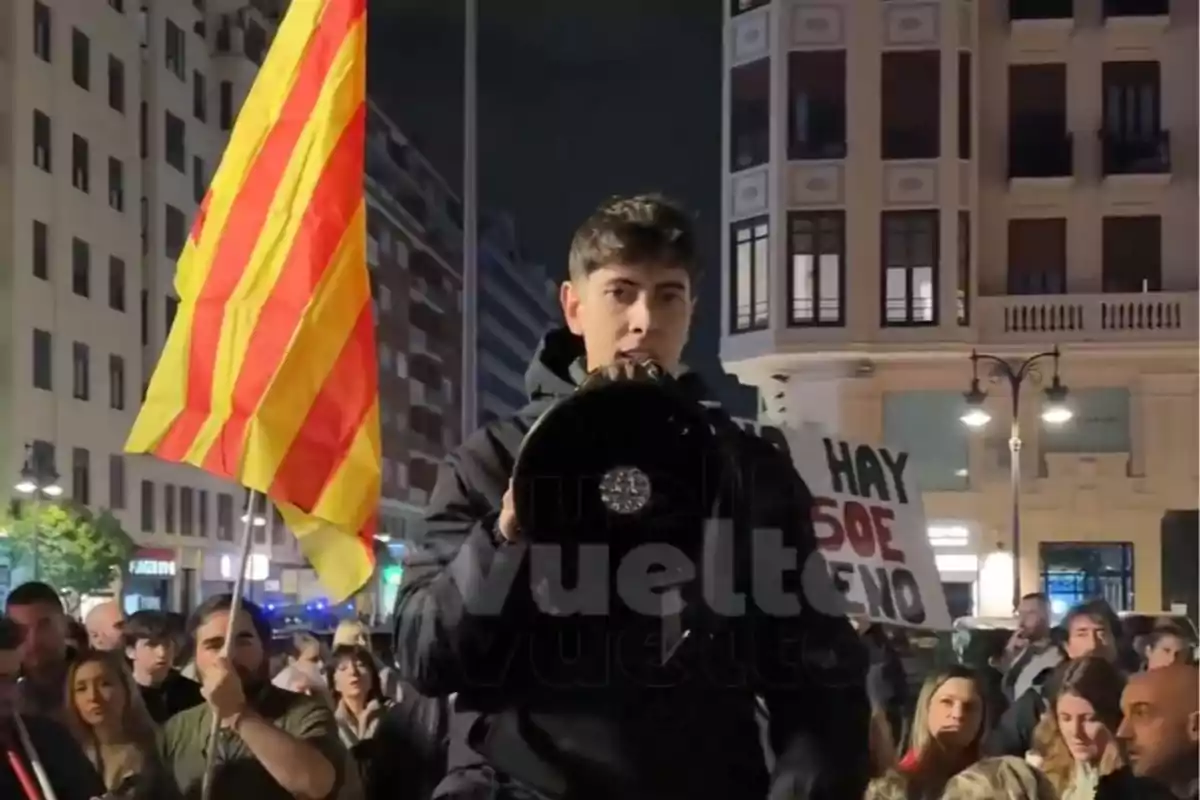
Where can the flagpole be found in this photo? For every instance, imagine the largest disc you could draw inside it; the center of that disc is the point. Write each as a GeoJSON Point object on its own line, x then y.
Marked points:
{"type": "Point", "coordinates": [235, 607]}
{"type": "Point", "coordinates": [470, 267]}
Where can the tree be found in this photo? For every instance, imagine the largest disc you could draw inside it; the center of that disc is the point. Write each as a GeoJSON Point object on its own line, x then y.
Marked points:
{"type": "Point", "coordinates": [69, 547]}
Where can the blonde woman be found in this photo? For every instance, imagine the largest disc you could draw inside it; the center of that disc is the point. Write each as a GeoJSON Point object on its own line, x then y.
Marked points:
{"type": "Point", "coordinates": [1006, 778]}
{"type": "Point", "coordinates": [1075, 742]}
{"type": "Point", "coordinates": [104, 712]}
{"type": "Point", "coordinates": [946, 731]}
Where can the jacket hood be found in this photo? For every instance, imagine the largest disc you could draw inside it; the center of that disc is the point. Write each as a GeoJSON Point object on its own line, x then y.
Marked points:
{"type": "Point", "coordinates": [558, 367]}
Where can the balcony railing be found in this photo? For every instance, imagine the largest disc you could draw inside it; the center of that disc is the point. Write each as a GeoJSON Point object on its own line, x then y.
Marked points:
{"type": "Point", "coordinates": [1040, 155]}
{"type": "Point", "coordinates": [1040, 9]}
{"type": "Point", "coordinates": [1136, 8]}
{"type": "Point", "coordinates": [1076, 318]}
{"type": "Point", "coordinates": [1144, 154]}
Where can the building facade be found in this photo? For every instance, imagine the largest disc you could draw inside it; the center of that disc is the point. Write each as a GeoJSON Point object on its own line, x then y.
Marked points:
{"type": "Point", "coordinates": [517, 305]}
{"type": "Point", "coordinates": [906, 181]}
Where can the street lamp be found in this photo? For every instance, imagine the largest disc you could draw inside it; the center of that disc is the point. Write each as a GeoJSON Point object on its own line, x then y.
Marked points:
{"type": "Point", "coordinates": [37, 480]}
{"type": "Point", "coordinates": [1055, 411]}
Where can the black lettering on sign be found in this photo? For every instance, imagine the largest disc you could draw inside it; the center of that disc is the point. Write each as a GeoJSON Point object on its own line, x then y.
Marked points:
{"type": "Point", "coordinates": [864, 473]}
{"type": "Point", "coordinates": [838, 572]}
{"type": "Point", "coordinates": [893, 594]}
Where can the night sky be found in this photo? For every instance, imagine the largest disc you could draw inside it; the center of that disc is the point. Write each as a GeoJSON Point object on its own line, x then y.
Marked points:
{"type": "Point", "coordinates": [578, 100]}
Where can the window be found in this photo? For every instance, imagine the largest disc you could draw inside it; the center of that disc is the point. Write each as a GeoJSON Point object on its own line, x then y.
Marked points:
{"type": "Point", "coordinates": [43, 31]}
{"type": "Point", "coordinates": [80, 165]}
{"type": "Point", "coordinates": [226, 106]}
{"type": "Point", "coordinates": [81, 56]}
{"type": "Point", "coordinates": [175, 234]}
{"type": "Point", "coordinates": [1038, 143]}
{"type": "Point", "coordinates": [911, 105]}
{"type": "Point", "coordinates": [187, 511]}
{"type": "Point", "coordinates": [169, 507]}
{"type": "Point", "coordinates": [199, 96]}
{"type": "Point", "coordinates": [1132, 254]}
{"type": "Point", "coordinates": [817, 104]}
{"type": "Point", "coordinates": [1074, 573]}
{"type": "Point", "coordinates": [116, 184]}
{"type": "Point", "coordinates": [750, 115]}
{"type": "Point", "coordinates": [144, 310]}
{"type": "Point", "coordinates": [1037, 256]}
{"type": "Point", "coordinates": [920, 423]}
{"type": "Point", "coordinates": [1133, 138]}
{"type": "Point", "coordinates": [80, 379]}
{"type": "Point", "coordinates": [116, 84]}
{"type": "Point", "coordinates": [147, 507]}
{"type": "Point", "coordinates": [1041, 9]}
{"type": "Point", "coordinates": [81, 479]}
{"type": "Point", "coordinates": [43, 365]}
{"type": "Point", "coordinates": [749, 283]}
{"type": "Point", "coordinates": [199, 181]}
{"type": "Point", "coordinates": [176, 51]}
{"type": "Point", "coordinates": [225, 517]}
{"type": "Point", "coordinates": [910, 263]}
{"type": "Point", "coordinates": [965, 81]}
{"type": "Point", "coordinates": [41, 142]}
{"type": "Point", "coordinates": [1137, 8]}
{"type": "Point", "coordinates": [202, 512]}
{"type": "Point", "coordinates": [116, 284]}
{"type": "Point", "coordinates": [817, 253]}
{"type": "Point", "coordinates": [116, 382]}
{"type": "Point", "coordinates": [41, 250]}
{"type": "Point", "coordinates": [172, 309]}
{"type": "Point", "coordinates": [117, 5]}
{"type": "Point", "coordinates": [116, 482]}
{"type": "Point", "coordinates": [1100, 424]}
{"type": "Point", "coordinates": [175, 134]}
{"type": "Point", "coordinates": [144, 130]}
{"type": "Point", "coordinates": [81, 267]}
{"type": "Point", "coordinates": [963, 285]}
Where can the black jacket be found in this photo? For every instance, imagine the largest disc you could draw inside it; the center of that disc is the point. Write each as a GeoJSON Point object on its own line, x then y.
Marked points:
{"type": "Point", "coordinates": [690, 741]}
{"type": "Point", "coordinates": [176, 693]}
{"type": "Point", "coordinates": [71, 774]}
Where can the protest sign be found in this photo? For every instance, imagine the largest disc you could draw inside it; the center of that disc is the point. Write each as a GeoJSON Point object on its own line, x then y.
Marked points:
{"type": "Point", "coordinates": [870, 526]}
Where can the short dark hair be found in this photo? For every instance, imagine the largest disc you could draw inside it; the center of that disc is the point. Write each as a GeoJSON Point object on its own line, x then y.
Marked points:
{"type": "Point", "coordinates": [346, 652]}
{"type": "Point", "coordinates": [11, 634]}
{"type": "Point", "coordinates": [224, 602]}
{"type": "Point", "coordinates": [1039, 596]}
{"type": "Point", "coordinates": [641, 230]}
{"type": "Point", "coordinates": [148, 625]}
{"type": "Point", "coordinates": [1087, 611]}
{"type": "Point", "coordinates": [34, 593]}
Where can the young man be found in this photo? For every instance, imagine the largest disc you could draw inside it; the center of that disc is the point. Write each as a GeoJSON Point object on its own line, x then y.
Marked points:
{"type": "Point", "coordinates": [272, 744]}
{"type": "Point", "coordinates": [38, 611]}
{"type": "Point", "coordinates": [629, 297]}
{"type": "Point", "coordinates": [71, 774]}
{"type": "Point", "coordinates": [150, 648]}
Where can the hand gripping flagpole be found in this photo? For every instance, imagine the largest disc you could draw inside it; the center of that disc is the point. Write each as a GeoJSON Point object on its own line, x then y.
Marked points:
{"type": "Point", "coordinates": [235, 607]}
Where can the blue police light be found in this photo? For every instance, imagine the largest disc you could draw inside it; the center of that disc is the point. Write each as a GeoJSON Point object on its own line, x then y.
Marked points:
{"type": "Point", "coordinates": [270, 606]}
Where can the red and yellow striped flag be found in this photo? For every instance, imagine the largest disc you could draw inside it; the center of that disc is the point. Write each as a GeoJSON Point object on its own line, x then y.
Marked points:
{"type": "Point", "coordinates": [268, 376]}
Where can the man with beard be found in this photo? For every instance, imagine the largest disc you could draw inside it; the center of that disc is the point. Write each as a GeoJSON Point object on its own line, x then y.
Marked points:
{"type": "Point", "coordinates": [150, 648]}
{"type": "Point", "coordinates": [38, 610]}
{"type": "Point", "coordinates": [1161, 731]}
{"type": "Point", "coordinates": [272, 744]}
{"type": "Point", "coordinates": [1031, 652]}
{"type": "Point", "coordinates": [514, 734]}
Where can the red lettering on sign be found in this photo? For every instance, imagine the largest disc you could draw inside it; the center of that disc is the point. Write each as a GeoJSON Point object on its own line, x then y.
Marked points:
{"type": "Point", "coordinates": [866, 528]}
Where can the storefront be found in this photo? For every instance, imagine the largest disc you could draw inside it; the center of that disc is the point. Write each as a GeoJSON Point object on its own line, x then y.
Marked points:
{"type": "Point", "coordinates": [219, 572]}
{"type": "Point", "coordinates": [149, 578]}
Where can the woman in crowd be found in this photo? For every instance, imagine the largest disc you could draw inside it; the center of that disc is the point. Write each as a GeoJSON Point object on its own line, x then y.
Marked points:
{"type": "Point", "coordinates": [351, 632]}
{"type": "Point", "coordinates": [946, 731]}
{"type": "Point", "coordinates": [1005, 778]}
{"type": "Point", "coordinates": [1075, 742]}
{"type": "Point", "coordinates": [1165, 645]}
{"type": "Point", "coordinates": [359, 707]}
{"type": "Point", "coordinates": [105, 714]}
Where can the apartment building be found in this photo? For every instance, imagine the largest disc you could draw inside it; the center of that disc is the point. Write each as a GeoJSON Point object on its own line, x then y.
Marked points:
{"type": "Point", "coordinates": [113, 116]}
{"type": "Point", "coordinates": [906, 181]}
{"type": "Point", "coordinates": [517, 305]}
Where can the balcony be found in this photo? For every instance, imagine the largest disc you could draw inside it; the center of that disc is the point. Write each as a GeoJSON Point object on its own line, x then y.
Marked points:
{"type": "Point", "coordinates": [1040, 10]}
{"type": "Point", "coordinates": [1125, 9]}
{"type": "Point", "coordinates": [1039, 155]}
{"type": "Point", "coordinates": [1143, 318]}
{"type": "Point", "coordinates": [1144, 154]}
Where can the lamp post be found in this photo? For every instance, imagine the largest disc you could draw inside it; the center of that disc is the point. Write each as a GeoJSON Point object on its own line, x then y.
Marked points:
{"type": "Point", "coordinates": [1055, 411]}
{"type": "Point", "coordinates": [38, 481]}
